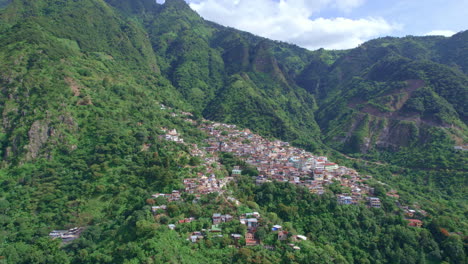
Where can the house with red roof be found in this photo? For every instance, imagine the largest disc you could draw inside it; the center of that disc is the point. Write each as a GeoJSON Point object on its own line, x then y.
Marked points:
{"type": "Point", "coordinates": [415, 222]}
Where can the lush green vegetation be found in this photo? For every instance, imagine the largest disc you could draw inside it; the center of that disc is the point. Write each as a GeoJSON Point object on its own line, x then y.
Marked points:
{"type": "Point", "coordinates": [82, 83]}
{"type": "Point", "coordinates": [397, 107]}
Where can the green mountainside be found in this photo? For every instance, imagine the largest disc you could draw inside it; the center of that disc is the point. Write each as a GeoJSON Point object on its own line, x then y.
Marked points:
{"type": "Point", "coordinates": [394, 101]}
{"type": "Point", "coordinates": [215, 68]}
{"type": "Point", "coordinates": [89, 87]}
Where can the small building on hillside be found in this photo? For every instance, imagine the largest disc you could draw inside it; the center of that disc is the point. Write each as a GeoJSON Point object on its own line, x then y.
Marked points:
{"type": "Point", "coordinates": [299, 238]}
{"type": "Point", "coordinates": [216, 218]}
{"type": "Point", "coordinates": [318, 175]}
{"type": "Point", "coordinates": [219, 218]}
{"type": "Point", "coordinates": [250, 239]}
{"type": "Point", "coordinates": [215, 229]}
{"type": "Point", "coordinates": [283, 235]}
{"type": "Point", "coordinates": [374, 202]}
{"type": "Point", "coordinates": [155, 209]}
{"type": "Point", "coordinates": [67, 235]}
{"type": "Point", "coordinates": [331, 166]}
{"type": "Point", "coordinates": [415, 222]}
{"type": "Point", "coordinates": [276, 228]}
{"type": "Point", "coordinates": [344, 199]}
{"type": "Point", "coordinates": [252, 223]}
{"type": "Point", "coordinates": [196, 236]}
{"type": "Point", "coordinates": [393, 194]}
{"type": "Point", "coordinates": [236, 236]}
{"type": "Point", "coordinates": [236, 171]}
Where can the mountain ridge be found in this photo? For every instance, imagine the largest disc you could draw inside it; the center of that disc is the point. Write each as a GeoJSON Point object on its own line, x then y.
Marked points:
{"type": "Point", "coordinates": [201, 59]}
{"type": "Point", "coordinates": [92, 89]}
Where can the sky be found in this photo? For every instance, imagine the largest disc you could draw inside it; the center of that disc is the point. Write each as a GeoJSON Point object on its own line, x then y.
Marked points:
{"type": "Point", "coordinates": [336, 24]}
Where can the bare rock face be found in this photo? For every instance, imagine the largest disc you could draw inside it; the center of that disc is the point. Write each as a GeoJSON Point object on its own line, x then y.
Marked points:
{"type": "Point", "coordinates": [38, 136]}
{"type": "Point", "coordinates": [51, 131]}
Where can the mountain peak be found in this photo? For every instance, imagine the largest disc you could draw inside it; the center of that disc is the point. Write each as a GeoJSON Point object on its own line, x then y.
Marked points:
{"type": "Point", "coordinates": [179, 9]}
{"type": "Point", "coordinates": [177, 3]}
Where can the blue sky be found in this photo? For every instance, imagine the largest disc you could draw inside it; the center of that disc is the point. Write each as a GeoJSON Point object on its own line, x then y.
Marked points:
{"type": "Point", "coordinates": [415, 16]}
{"type": "Point", "coordinates": [336, 24]}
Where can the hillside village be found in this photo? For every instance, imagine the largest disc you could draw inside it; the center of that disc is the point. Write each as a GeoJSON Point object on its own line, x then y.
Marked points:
{"type": "Point", "coordinates": [275, 161]}
{"type": "Point", "coordinates": [306, 155]}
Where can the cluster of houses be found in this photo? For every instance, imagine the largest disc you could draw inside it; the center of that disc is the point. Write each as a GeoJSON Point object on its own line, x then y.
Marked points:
{"type": "Point", "coordinates": [66, 235]}
{"type": "Point", "coordinates": [205, 185]}
{"type": "Point", "coordinates": [171, 197]}
{"type": "Point", "coordinates": [171, 135]}
{"type": "Point", "coordinates": [411, 215]}
{"type": "Point", "coordinates": [164, 107]}
{"type": "Point", "coordinates": [214, 230]}
{"type": "Point", "coordinates": [251, 220]}
{"type": "Point", "coordinates": [277, 160]}
{"type": "Point", "coordinates": [206, 182]}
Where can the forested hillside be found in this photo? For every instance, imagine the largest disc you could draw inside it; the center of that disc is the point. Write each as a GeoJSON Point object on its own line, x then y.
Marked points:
{"type": "Point", "coordinates": [91, 89]}
{"type": "Point", "coordinates": [396, 99]}
{"type": "Point", "coordinates": [225, 73]}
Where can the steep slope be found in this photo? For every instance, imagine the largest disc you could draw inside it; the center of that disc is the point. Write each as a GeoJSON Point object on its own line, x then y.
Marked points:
{"type": "Point", "coordinates": [202, 59]}
{"type": "Point", "coordinates": [49, 72]}
{"type": "Point", "coordinates": [453, 51]}
{"type": "Point", "coordinates": [387, 95]}
{"type": "Point", "coordinates": [81, 97]}
{"type": "Point", "coordinates": [391, 94]}
{"type": "Point", "coordinates": [89, 87]}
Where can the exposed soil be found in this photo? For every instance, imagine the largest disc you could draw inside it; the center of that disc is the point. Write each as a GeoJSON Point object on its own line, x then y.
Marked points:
{"type": "Point", "coordinates": [413, 85]}
{"type": "Point", "coordinates": [73, 86]}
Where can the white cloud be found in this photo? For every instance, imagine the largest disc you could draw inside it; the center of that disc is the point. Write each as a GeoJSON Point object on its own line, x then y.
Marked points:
{"type": "Point", "coordinates": [445, 33]}
{"type": "Point", "coordinates": [290, 21]}
{"type": "Point", "coordinates": [348, 5]}
{"type": "Point", "coordinates": [341, 33]}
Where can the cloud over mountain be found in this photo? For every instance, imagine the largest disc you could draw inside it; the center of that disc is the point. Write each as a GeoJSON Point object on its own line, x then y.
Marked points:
{"type": "Point", "coordinates": [296, 21]}
{"type": "Point", "coordinates": [446, 33]}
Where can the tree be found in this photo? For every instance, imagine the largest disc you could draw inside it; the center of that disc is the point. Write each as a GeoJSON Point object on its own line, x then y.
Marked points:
{"type": "Point", "coordinates": [173, 210]}
{"type": "Point", "coordinates": [262, 233]}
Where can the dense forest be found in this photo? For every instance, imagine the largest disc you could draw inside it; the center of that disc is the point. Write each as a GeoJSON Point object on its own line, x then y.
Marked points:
{"type": "Point", "coordinates": [89, 88]}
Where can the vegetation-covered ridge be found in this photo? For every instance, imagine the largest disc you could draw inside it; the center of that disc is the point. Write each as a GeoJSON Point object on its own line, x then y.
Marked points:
{"type": "Point", "coordinates": [388, 95]}
{"type": "Point", "coordinates": [92, 90]}
{"type": "Point", "coordinates": [200, 204]}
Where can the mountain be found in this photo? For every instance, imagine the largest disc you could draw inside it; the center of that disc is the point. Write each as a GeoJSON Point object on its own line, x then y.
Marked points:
{"type": "Point", "coordinates": [225, 73]}
{"type": "Point", "coordinates": [90, 89]}
{"type": "Point", "coordinates": [215, 68]}
{"type": "Point", "coordinates": [396, 96]}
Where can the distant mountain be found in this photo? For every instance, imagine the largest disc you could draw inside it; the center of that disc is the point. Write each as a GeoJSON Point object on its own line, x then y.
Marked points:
{"type": "Point", "coordinates": [390, 94]}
